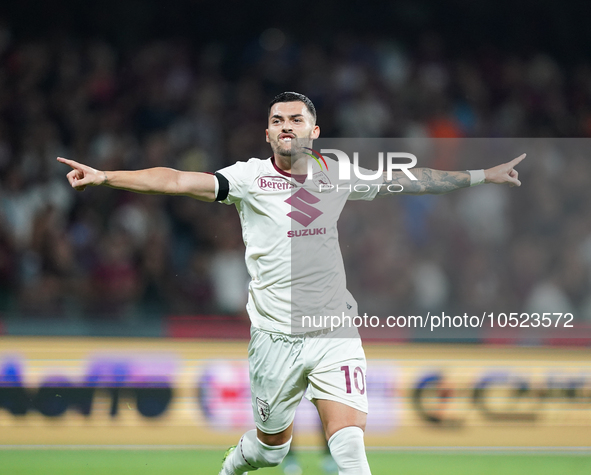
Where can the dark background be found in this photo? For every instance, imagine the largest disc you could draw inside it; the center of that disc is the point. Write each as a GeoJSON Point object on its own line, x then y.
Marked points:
{"type": "Point", "coordinates": [511, 27]}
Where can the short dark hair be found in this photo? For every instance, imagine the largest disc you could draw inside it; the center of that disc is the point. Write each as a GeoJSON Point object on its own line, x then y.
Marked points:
{"type": "Point", "coordinates": [293, 97]}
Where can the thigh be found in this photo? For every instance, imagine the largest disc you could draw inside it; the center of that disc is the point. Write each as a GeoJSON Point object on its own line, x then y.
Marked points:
{"type": "Point", "coordinates": [339, 376]}
{"type": "Point", "coordinates": [277, 380]}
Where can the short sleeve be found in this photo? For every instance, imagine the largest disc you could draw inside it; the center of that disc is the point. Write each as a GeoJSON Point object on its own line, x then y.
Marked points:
{"type": "Point", "coordinates": [237, 176]}
{"type": "Point", "coordinates": [365, 189]}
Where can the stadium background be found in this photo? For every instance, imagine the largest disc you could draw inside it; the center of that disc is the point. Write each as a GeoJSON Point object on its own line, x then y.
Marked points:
{"type": "Point", "coordinates": [121, 315]}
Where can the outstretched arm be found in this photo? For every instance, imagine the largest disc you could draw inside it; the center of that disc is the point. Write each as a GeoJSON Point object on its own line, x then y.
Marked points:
{"type": "Point", "coordinates": [152, 180]}
{"type": "Point", "coordinates": [439, 181]}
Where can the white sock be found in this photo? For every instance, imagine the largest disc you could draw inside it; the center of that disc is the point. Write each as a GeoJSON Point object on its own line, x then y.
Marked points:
{"type": "Point", "coordinates": [348, 451]}
{"type": "Point", "coordinates": [251, 454]}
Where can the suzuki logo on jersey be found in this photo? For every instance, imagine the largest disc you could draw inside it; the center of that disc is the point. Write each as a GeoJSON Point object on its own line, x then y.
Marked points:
{"type": "Point", "coordinates": [306, 232]}
{"type": "Point", "coordinates": [274, 183]}
{"type": "Point", "coordinates": [303, 213]}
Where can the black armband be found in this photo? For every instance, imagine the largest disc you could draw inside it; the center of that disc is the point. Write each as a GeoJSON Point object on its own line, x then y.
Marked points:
{"type": "Point", "coordinates": [223, 187]}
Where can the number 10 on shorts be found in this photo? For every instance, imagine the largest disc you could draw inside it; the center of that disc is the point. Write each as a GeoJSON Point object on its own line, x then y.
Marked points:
{"type": "Point", "coordinates": [358, 379]}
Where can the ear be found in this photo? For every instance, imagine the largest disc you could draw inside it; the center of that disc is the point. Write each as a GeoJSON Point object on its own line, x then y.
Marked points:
{"type": "Point", "coordinates": [315, 132]}
{"type": "Point", "coordinates": [267, 135]}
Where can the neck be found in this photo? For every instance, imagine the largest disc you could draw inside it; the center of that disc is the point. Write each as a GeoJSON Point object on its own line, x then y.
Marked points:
{"type": "Point", "coordinates": [293, 165]}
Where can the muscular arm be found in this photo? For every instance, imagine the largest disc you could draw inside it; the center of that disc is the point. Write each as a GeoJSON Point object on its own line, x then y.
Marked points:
{"type": "Point", "coordinates": [159, 180]}
{"type": "Point", "coordinates": [439, 181]}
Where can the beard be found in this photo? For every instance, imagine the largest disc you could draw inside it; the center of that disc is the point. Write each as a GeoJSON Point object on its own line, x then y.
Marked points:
{"type": "Point", "coordinates": [294, 149]}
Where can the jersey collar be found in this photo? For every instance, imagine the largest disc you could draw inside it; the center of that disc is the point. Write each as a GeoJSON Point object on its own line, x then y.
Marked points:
{"type": "Point", "coordinates": [298, 178]}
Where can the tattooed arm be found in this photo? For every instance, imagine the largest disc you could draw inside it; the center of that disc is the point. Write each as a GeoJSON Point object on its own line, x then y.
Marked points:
{"type": "Point", "coordinates": [428, 181]}
{"type": "Point", "coordinates": [439, 181]}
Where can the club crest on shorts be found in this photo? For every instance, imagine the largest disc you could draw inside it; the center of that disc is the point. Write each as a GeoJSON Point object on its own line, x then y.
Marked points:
{"type": "Point", "coordinates": [263, 409]}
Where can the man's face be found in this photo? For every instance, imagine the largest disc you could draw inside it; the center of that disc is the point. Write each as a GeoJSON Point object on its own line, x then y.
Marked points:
{"type": "Point", "coordinates": [291, 127]}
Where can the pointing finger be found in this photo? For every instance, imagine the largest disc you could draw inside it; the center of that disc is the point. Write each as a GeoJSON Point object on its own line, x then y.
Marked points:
{"type": "Point", "coordinates": [515, 161]}
{"type": "Point", "coordinates": [71, 163]}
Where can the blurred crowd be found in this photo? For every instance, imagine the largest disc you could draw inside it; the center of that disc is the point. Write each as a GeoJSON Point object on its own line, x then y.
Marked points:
{"type": "Point", "coordinates": [109, 254]}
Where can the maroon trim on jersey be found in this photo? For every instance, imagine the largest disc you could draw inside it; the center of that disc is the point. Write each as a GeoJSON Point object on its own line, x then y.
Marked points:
{"type": "Point", "coordinates": [298, 178]}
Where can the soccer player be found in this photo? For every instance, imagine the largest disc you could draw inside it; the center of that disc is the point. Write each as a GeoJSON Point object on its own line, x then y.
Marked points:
{"type": "Point", "coordinates": [277, 205]}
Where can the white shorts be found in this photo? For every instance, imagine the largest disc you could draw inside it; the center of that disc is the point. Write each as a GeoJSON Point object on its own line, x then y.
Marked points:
{"type": "Point", "coordinates": [284, 367]}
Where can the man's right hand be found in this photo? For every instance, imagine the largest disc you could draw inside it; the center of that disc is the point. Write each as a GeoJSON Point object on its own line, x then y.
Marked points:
{"type": "Point", "coordinates": [82, 176]}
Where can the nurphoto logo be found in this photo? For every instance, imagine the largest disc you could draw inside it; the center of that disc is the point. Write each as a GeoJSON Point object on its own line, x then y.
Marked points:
{"type": "Point", "coordinates": [345, 166]}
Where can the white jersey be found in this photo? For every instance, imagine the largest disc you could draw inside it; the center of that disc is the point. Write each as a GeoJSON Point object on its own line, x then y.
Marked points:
{"type": "Point", "coordinates": [289, 227]}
